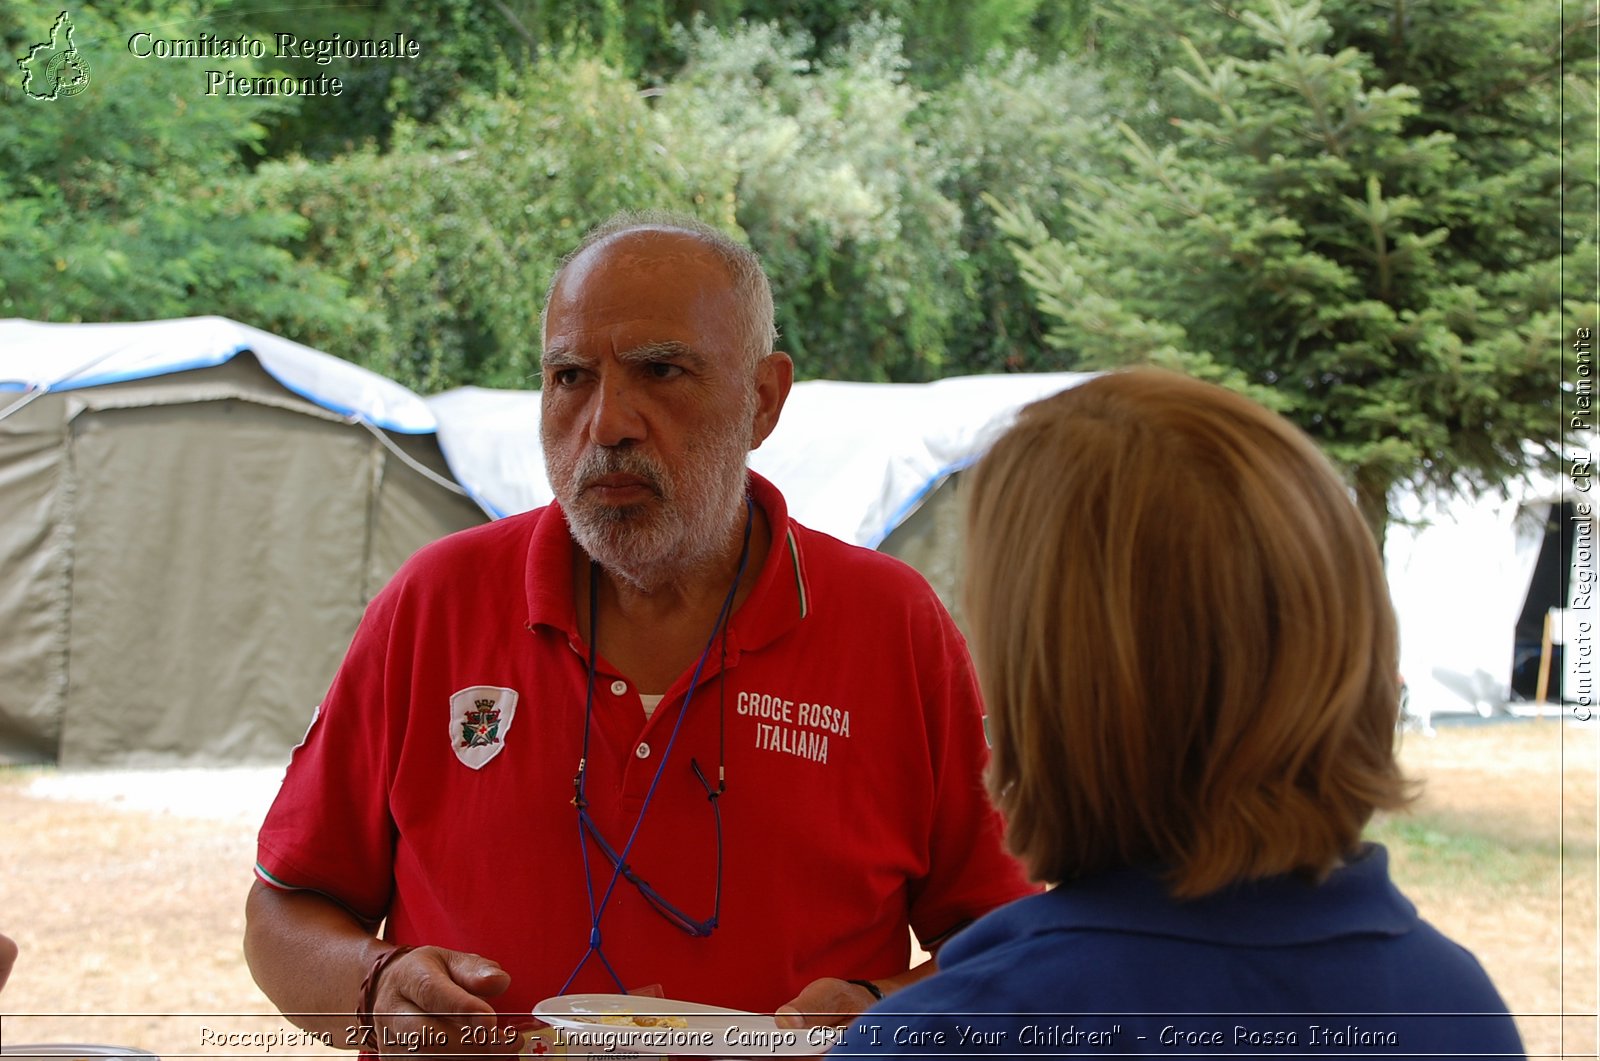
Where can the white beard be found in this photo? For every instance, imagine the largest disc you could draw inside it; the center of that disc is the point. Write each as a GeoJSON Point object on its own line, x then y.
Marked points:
{"type": "Point", "coordinates": [689, 524]}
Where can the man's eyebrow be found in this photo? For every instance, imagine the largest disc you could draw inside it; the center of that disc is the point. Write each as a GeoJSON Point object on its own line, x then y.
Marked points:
{"type": "Point", "coordinates": [561, 357]}
{"type": "Point", "coordinates": [665, 348]}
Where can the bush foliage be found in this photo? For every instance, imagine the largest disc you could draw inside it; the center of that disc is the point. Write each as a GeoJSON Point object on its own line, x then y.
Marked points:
{"type": "Point", "coordinates": [131, 200]}
{"type": "Point", "coordinates": [1375, 257]}
{"type": "Point", "coordinates": [1353, 212]}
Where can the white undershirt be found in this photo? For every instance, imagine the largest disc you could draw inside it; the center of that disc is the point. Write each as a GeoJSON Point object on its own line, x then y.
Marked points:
{"type": "Point", "coordinates": [651, 702]}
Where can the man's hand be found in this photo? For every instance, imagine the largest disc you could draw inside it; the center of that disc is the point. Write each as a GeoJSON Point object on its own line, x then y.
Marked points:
{"type": "Point", "coordinates": [310, 955]}
{"type": "Point", "coordinates": [829, 1001]}
{"type": "Point", "coordinates": [832, 1001]}
{"type": "Point", "coordinates": [431, 1002]}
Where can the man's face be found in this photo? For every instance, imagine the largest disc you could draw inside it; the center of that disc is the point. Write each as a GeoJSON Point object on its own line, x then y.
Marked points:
{"type": "Point", "coordinates": [649, 404]}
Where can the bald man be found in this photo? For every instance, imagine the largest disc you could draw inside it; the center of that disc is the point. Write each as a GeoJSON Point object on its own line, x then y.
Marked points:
{"type": "Point", "coordinates": [656, 736]}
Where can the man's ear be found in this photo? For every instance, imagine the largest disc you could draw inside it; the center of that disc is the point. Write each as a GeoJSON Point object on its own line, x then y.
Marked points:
{"type": "Point", "coordinates": [774, 377]}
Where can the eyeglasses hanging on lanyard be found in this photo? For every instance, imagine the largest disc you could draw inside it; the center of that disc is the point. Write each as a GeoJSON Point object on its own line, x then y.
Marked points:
{"type": "Point", "coordinates": [588, 830]}
{"type": "Point", "coordinates": [657, 901]}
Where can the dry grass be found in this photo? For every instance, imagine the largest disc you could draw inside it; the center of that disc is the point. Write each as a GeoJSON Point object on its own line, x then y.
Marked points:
{"type": "Point", "coordinates": [125, 917]}
{"type": "Point", "coordinates": [122, 918]}
{"type": "Point", "coordinates": [1499, 853]}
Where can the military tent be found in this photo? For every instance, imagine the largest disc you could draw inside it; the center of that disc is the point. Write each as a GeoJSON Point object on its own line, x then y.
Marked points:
{"type": "Point", "coordinates": [196, 513]}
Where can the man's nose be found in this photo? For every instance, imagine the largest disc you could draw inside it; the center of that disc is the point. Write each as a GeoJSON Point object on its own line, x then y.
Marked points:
{"type": "Point", "coordinates": [614, 418]}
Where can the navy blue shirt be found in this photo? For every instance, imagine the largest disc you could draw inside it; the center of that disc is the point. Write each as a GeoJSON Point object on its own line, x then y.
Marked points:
{"type": "Point", "coordinates": [1277, 968]}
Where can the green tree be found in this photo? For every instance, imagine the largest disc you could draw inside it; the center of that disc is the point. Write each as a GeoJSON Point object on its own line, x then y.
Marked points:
{"type": "Point", "coordinates": [128, 200]}
{"type": "Point", "coordinates": [463, 46]}
{"type": "Point", "coordinates": [835, 189]}
{"type": "Point", "coordinates": [640, 38]}
{"type": "Point", "coordinates": [1364, 238]}
{"type": "Point", "coordinates": [944, 40]}
{"type": "Point", "coordinates": [1022, 125]}
{"type": "Point", "coordinates": [454, 231]}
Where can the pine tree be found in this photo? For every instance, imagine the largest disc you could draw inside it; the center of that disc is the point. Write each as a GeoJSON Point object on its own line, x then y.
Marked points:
{"type": "Point", "coordinates": [1354, 217]}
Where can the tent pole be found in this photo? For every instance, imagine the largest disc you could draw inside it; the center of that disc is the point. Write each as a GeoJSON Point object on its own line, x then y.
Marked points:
{"type": "Point", "coordinates": [1544, 665]}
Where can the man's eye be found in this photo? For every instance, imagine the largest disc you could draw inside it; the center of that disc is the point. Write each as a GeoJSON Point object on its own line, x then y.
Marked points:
{"type": "Point", "coordinates": [564, 377]}
{"type": "Point", "coordinates": [664, 370]}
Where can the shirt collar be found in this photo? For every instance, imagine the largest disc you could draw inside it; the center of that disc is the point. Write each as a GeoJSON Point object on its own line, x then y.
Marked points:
{"type": "Point", "coordinates": [1356, 899]}
{"type": "Point", "coordinates": [780, 599]}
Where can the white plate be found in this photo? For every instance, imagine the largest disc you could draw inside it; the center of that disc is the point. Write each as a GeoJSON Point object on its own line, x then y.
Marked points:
{"type": "Point", "coordinates": [710, 1031]}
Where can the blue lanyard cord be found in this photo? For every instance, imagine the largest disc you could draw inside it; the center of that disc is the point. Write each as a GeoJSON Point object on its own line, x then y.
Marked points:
{"type": "Point", "coordinates": [579, 802]}
{"type": "Point", "coordinates": [579, 781]}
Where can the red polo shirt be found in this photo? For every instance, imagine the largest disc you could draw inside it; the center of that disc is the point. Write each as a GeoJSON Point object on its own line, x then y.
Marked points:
{"type": "Point", "coordinates": [425, 794]}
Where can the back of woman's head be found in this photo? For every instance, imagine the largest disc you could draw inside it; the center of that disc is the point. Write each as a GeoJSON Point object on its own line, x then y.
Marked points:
{"type": "Point", "coordinates": [1184, 637]}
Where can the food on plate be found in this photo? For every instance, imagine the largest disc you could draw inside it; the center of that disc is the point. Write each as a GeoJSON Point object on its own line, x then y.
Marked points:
{"type": "Point", "coordinates": [644, 1020]}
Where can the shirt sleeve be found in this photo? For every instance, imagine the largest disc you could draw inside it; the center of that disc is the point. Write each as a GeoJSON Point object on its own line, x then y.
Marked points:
{"type": "Point", "coordinates": [970, 872]}
{"type": "Point", "coordinates": [330, 828]}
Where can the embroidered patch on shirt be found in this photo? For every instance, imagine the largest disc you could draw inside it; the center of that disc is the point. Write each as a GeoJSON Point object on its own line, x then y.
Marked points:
{"type": "Point", "coordinates": [480, 718]}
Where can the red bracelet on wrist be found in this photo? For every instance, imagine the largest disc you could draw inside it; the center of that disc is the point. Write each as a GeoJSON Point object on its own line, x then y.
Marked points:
{"type": "Point", "coordinates": [366, 1031]}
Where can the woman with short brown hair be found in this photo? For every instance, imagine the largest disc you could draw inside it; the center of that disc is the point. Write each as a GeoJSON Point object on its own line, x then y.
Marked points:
{"type": "Point", "coordinates": [1188, 655]}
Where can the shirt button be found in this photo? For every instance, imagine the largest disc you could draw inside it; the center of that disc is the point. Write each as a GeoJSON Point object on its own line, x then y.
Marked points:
{"type": "Point", "coordinates": [642, 751]}
{"type": "Point", "coordinates": [619, 687]}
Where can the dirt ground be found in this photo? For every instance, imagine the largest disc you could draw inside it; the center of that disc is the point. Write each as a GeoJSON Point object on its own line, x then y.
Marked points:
{"type": "Point", "coordinates": [125, 919]}
{"type": "Point", "coordinates": [1500, 853]}
{"type": "Point", "coordinates": [129, 915]}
